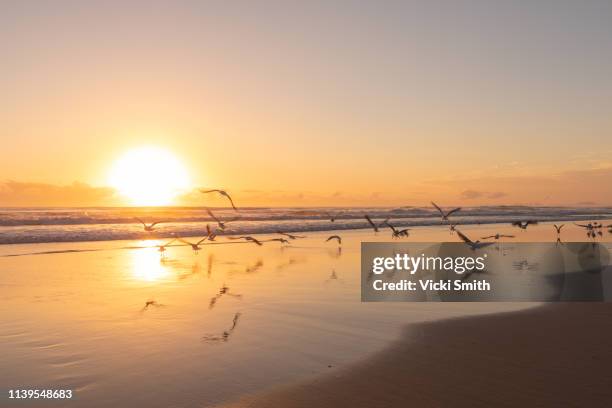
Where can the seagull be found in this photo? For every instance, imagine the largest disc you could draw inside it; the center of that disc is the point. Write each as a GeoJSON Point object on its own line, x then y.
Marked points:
{"type": "Point", "coordinates": [281, 240]}
{"type": "Point", "coordinates": [218, 221]}
{"type": "Point", "coordinates": [211, 234]}
{"type": "Point", "coordinates": [524, 224]}
{"type": "Point", "coordinates": [196, 247]}
{"type": "Point", "coordinates": [290, 236]}
{"type": "Point", "coordinates": [558, 228]}
{"type": "Point", "coordinates": [445, 215]}
{"type": "Point", "coordinates": [335, 237]}
{"type": "Point", "coordinates": [472, 244]}
{"type": "Point", "coordinates": [149, 227]}
{"type": "Point", "coordinates": [223, 193]}
{"type": "Point", "coordinates": [332, 217]}
{"type": "Point", "coordinates": [162, 248]}
{"type": "Point", "coordinates": [367, 217]}
{"type": "Point", "coordinates": [397, 233]}
{"type": "Point", "coordinates": [590, 229]}
{"type": "Point", "coordinates": [248, 238]}
{"type": "Point", "coordinates": [498, 236]}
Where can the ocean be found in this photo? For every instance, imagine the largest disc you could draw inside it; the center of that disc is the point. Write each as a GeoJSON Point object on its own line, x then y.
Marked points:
{"type": "Point", "coordinates": [44, 225]}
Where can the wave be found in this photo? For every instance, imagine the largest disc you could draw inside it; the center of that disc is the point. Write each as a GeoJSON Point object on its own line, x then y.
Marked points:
{"type": "Point", "coordinates": [20, 226]}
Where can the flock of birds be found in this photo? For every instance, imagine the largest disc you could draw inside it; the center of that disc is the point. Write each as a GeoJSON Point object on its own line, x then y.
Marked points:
{"type": "Point", "coordinates": [593, 229]}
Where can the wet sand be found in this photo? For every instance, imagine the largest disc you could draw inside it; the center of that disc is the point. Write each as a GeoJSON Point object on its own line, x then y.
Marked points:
{"type": "Point", "coordinates": [79, 320]}
{"type": "Point", "coordinates": [554, 355]}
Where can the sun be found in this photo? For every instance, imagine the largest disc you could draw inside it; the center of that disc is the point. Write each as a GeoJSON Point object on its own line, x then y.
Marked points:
{"type": "Point", "coordinates": [149, 176]}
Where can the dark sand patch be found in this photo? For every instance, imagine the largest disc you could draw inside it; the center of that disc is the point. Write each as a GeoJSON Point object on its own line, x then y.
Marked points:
{"type": "Point", "coordinates": [554, 355]}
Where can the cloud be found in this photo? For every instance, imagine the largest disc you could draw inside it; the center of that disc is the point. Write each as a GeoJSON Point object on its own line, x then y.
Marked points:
{"type": "Point", "coordinates": [473, 194]}
{"type": "Point", "coordinates": [497, 194]}
{"type": "Point", "coordinates": [16, 193]}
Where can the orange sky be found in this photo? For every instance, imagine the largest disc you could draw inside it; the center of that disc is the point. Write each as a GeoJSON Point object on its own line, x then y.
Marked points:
{"type": "Point", "coordinates": [311, 105]}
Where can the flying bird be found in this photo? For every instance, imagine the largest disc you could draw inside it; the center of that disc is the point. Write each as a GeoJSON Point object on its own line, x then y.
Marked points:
{"type": "Point", "coordinates": [472, 244]}
{"type": "Point", "coordinates": [215, 219]}
{"type": "Point", "coordinates": [248, 238]}
{"type": "Point", "coordinates": [223, 193]}
{"type": "Point", "coordinates": [558, 228]}
{"type": "Point", "coordinates": [147, 227]}
{"type": "Point", "coordinates": [333, 216]}
{"type": "Point", "coordinates": [498, 236]}
{"type": "Point", "coordinates": [290, 236]}
{"type": "Point", "coordinates": [445, 215]}
{"type": "Point", "coordinates": [162, 248]}
{"type": "Point", "coordinates": [591, 229]}
{"type": "Point", "coordinates": [367, 217]}
{"type": "Point", "coordinates": [397, 233]}
{"type": "Point", "coordinates": [524, 224]}
{"type": "Point", "coordinates": [195, 247]}
{"type": "Point", "coordinates": [336, 237]}
{"type": "Point", "coordinates": [211, 235]}
{"type": "Point", "coordinates": [281, 240]}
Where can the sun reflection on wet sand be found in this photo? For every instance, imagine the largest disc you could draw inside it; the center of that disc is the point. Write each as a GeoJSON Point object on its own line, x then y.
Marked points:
{"type": "Point", "coordinates": [147, 264]}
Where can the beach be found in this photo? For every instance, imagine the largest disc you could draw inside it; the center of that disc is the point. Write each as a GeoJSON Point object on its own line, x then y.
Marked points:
{"type": "Point", "coordinates": [280, 325]}
{"type": "Point", "coordinates": [551, 356]}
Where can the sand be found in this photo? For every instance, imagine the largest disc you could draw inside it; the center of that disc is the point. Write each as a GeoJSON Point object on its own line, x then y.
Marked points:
{"type": "Point", "coordinates": [554, 355]}
{"type": "Point", "coordinates": [78, 320]}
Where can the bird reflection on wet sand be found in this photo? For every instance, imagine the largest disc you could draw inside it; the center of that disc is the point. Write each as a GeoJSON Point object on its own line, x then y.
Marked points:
{"type": "Point", "coordinates": [225, 336]}
{"type": "Point", "coordinates": [151, 303]}
{"type": "Point", "coordinates": [255, 267]}
{"type": "Point", "coordinates": [225, 290]}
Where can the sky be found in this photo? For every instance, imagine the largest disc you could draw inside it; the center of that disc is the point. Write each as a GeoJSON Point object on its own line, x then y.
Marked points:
{"type": "Point", "coordinates": [311, 103]}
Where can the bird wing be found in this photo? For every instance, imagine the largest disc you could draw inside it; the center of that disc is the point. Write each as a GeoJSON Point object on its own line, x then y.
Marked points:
{"type": "Point", "coordinates": [464, 238]}
{"type": "Point", "coordinates": [491, 236]}
{"type": "Point", "coordinates": [507, 236]}
{"type": "Point", "coordinates": [155, 223]}
{"type": "Point", "coordinates": [202, 240]}
{"type": "Point", "coordinates": [209, 191]}
{"type": "Point", "coordinates": [438, 208]}
{"type": "Point", "coordinates": [454, 210]}
{"type": "Point", "coordinates": [184, 241]}
{"type": "Point", "coordinates": [169, 242]}
{"type": "Point", "coordinates": [531, 222]}
{"type": "Point", "coordinates": [140, 221]}
{"type": "Point", "coordinates": [231, 201]}
{"type": "Point", "coordinates": [583, 226]}
{"type": "Point", "coordinates": [391, 226]}
{"type": "Point", "coordinates": [367, 217]}
{"type": "Point", "coordinates": [210, 213]}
